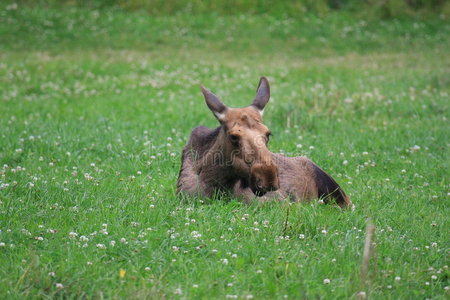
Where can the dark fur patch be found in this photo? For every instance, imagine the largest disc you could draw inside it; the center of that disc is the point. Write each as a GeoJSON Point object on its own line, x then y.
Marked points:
{"type": "Point", "coordinates": [327, 187]}
{"type": "Point", "coordinates": [201, 139]}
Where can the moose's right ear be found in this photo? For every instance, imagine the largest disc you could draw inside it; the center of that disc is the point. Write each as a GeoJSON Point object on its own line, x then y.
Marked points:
{"type": "Point", "coordinates": [214, 104]}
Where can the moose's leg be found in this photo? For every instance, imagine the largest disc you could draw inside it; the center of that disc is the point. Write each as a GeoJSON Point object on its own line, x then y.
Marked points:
{"type": "Point", "coordinates": [188, 180]}
{"type": "Point", "coordinates": [245, 194]}
{"type": "Point", "coordinates": [243, 191]}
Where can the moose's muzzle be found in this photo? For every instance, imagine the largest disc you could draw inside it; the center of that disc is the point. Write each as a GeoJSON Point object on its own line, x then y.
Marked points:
{"type": "Point", "coordinates": [264, 178]}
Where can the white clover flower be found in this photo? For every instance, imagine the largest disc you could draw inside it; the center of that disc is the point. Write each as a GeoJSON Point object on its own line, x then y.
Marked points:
{"type": "Point", "coordinates": [25, 231]}
{"type": "Point", "coordinates": [361, 295]}
{"type": "Point", "coordinates": [348, 100]}
{"type": "Point", "coordinates": [101, 246]}
{"type": "Point", "coordinates": [73, 235]}
{"type": "Point", "coordinates": [414, 148]}
{"type": "Point", "coordinates": [326, 281]}
{"type": "Point", "coordinates": [195, 234]}
{"type": "Point", "coordinates": [59, 286]}
{"type": "Point", "coordinates": [4, 186]}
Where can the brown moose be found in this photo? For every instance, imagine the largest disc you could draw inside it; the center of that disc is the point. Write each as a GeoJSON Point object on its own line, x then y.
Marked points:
{"type": "Point", "coordinates": [234, 158]}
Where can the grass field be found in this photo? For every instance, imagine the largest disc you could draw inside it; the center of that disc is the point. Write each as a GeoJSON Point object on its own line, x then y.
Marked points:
{"type": "Point", "coordinates": [95, 107]}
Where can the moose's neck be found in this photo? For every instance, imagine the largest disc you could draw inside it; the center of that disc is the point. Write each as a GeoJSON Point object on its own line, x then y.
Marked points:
{"type": "Point", "coordinates": [215, 166]}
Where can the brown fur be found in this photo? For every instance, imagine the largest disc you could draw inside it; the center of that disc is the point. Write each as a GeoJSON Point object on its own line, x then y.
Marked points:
{"type": "Point", "coordinates": [300, 180]}
{"type": "Point", "coordinates": [234, 157]}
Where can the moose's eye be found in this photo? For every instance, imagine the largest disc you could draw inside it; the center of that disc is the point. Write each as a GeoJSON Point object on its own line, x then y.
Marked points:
{"type": "Point", "coordinates": [234, 138]}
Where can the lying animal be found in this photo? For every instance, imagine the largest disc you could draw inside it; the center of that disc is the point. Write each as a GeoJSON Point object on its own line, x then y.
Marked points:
{"type": "Point", "coordinates": [234, 157]}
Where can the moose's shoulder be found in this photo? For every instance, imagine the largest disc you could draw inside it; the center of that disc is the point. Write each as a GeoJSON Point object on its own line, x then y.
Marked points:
{"type": "Point", "coordinates": [201, 136]}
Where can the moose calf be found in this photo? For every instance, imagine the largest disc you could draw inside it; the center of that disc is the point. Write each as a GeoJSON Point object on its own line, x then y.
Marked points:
{"type": "Point", "coordinates": [234, 157]}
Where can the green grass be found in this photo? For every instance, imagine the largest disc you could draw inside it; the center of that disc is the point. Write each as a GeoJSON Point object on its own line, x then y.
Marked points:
{"type": "Point", "coordinates": [95, 107]}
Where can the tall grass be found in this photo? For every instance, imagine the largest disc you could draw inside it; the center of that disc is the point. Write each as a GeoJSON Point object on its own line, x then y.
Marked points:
{"type": "Point", "coordinates": [97, 104]}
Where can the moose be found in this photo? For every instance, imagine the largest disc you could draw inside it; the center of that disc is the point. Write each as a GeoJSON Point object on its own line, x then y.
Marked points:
{"type": "Point", "coordinates": [234, 158]}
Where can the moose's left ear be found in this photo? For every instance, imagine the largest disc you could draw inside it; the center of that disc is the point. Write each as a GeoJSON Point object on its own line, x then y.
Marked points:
{"type": "Point", "coordinates": [262, 95]}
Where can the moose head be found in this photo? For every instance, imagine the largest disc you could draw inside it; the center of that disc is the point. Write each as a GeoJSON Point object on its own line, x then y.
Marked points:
{"type": "Point", "coordinates": [244, 140]}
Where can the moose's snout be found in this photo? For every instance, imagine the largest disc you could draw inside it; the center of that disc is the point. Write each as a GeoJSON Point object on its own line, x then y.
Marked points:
{"type": "Point", "coordinates": [264, 178]}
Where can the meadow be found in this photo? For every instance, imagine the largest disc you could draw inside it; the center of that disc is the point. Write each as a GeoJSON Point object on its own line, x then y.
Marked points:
{"type": "Point", "coordinates": [97, 104]}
